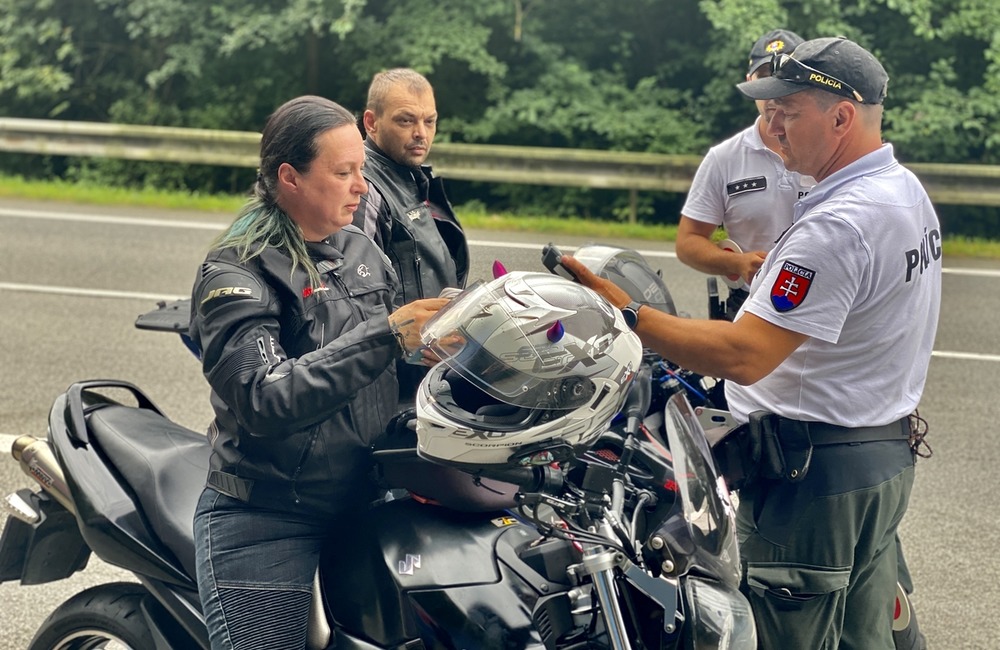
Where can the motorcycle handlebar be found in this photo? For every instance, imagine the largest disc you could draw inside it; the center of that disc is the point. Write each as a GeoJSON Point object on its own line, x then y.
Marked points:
{"type": "Point", "coordinates": [640, 394]}
{"type": "Point", "coordinates": [537, 478]}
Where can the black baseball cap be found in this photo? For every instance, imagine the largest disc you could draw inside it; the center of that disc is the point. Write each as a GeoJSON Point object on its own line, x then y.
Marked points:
{"type": "Point", "coordinates": [776, 41]}
{"type": "Point", "coordinates": [835, 65]}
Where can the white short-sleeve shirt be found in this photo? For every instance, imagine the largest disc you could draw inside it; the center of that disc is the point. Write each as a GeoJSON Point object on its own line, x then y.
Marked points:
{"type": "Point", "coordinates": [744, 186]}
{"type": "Point", "coordinates": [859, 272]}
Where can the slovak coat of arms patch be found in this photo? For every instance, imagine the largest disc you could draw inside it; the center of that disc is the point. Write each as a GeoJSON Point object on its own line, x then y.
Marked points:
{"type": "Point", "coordinates": [791, 286]}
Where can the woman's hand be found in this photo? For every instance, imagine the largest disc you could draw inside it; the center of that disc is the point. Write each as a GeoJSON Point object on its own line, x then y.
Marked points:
{"type": "Point", "coordinates": [406, 323]}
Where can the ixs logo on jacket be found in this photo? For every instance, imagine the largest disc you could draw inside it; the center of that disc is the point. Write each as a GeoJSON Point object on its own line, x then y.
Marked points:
{"type": "Point", "coordinates": [409, 564]}
{"type": "Point", "coordinates": [791, 286]}
{"type": "Point", "coordinates": [221, 292]}
{"type": "Point", "coordinates": [225, 288]}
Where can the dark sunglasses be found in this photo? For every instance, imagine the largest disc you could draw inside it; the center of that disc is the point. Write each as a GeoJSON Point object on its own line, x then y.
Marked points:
{"type": "Point", "coordinates": [784, 66]}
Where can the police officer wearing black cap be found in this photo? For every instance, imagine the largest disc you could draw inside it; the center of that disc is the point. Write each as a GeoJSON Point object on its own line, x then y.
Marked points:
{"type": "Point", "coordinates": [827, 360]}
{"type": "Point", "coordinates": [743, 186]}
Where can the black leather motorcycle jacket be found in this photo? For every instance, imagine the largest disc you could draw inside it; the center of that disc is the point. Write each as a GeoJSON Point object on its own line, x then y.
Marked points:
{"type": "Point", "coordinates": [303, 380]}
{"type": "Point", "coordinates": [408, 214]}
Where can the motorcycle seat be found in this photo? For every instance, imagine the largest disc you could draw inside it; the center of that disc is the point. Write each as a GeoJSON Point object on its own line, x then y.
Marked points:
{"type": "Point", "coordinates": [163, 463]}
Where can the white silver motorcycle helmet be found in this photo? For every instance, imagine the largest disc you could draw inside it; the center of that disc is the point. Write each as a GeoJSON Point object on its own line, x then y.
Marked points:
{"type": "Point", "coordinates": [534, 366]}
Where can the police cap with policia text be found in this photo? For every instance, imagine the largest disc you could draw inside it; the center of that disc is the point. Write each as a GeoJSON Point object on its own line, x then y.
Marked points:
{"type": "Point", "coordinates": [835, 65]}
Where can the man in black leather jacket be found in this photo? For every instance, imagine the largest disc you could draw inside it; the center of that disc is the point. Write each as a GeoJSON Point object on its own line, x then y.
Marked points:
{"type": "Point", "coordinates": [406, 211]}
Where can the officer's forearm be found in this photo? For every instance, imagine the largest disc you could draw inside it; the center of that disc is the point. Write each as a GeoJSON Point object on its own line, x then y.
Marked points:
{"type": "Point", "coordinates": [743, 352]}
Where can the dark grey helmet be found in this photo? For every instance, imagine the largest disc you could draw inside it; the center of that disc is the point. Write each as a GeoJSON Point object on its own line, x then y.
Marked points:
{"type": "Point", "coordinates": [630, 271]}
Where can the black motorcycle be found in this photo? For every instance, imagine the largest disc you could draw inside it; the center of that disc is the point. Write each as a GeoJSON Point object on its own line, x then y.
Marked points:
{"type": "Point", "coordinates": [628, 545]}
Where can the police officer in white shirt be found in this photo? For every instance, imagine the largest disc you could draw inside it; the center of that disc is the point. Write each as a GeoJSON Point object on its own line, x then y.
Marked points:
{"type": "Point", "coordinates": [827, 359]}
{"type": "Point", "coordinates": [743, 186]}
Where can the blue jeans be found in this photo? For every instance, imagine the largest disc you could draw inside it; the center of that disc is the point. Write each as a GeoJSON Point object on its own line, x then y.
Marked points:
{"type": "Point", "coordinates": [255, 572]}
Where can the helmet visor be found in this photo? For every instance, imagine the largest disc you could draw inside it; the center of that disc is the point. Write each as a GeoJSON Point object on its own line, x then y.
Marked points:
{"type": "Point", "coordinates": [518, 347]}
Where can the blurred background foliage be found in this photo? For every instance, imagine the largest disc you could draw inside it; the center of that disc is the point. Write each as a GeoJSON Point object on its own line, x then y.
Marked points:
{"type": "Point", "coordinates": [634, 75]}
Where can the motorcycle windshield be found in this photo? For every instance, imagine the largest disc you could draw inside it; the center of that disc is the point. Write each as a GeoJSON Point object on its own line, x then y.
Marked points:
{"type": "Point", "coordinates": [707, 507]}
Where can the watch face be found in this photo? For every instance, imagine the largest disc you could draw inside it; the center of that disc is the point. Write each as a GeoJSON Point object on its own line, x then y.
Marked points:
{"type": "Point", "coordinates": [630, 313]}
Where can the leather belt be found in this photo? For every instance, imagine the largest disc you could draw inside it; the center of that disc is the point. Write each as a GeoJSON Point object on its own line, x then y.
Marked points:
{"type": "Point", "coordinates": [821, 433]}
{"type": "Point", "coordinates": [230, 485]}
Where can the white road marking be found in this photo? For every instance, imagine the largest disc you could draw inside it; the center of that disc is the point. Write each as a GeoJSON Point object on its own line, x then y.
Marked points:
{"type": "Point", "coordinates": [153, 297]}
{"type": "Point", "coordinates": [88, 293]}
{"type": "Point", "coordinates": [7, 439]}
{"type": "Point", "coordinates": [969, 356]}
{"type": "Point", "coordinates": [100, 218]}
{"type": "Point", "coordinates": [167, 223]}
{"type": "Point", "coordinates": [568, 249]}
{"type": "Point", "coordinates": [219, 225]}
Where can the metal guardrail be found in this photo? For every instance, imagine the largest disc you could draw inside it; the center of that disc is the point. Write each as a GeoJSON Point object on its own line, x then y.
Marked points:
{"type": "Point", "coordinates": [945, 183]}
{"type": "Point", "coordinates": [130, 142]}
{"type": "Point", "coordinates": [951, 184]}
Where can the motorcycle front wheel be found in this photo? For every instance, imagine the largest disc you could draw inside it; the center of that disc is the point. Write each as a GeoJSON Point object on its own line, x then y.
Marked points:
{"type": "Point", "coordinates": [106, 616]}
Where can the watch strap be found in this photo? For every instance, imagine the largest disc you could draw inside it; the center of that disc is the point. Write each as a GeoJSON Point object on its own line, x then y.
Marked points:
{"type": "Point", "coordinates": [631, 314]}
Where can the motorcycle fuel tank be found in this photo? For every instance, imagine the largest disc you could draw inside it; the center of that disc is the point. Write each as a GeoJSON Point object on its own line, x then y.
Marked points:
{"type": "Point", "coordinates": [408, 571]}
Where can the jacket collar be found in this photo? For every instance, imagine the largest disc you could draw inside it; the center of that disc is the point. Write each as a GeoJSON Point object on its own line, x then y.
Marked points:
{"type": "Point", "coordinates": [373, 151]}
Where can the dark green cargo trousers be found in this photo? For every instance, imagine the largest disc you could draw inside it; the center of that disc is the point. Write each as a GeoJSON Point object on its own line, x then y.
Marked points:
{"type": "Point", "coordinates": [819, 555]}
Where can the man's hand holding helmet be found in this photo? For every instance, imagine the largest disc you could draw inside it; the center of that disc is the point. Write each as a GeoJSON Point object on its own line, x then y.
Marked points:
{"type": "Point", "coordinates": [608, 289]}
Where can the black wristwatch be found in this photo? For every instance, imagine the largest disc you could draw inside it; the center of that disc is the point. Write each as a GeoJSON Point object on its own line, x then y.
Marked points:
{"type": "Point", "coordinates": [630, 313]}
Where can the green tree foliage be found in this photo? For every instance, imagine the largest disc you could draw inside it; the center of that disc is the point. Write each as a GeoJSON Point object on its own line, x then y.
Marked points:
{"type": "Point", "coordinates": [942, 56]}
{"type": "Point", "coordinates": [62, 59]}
{"type": "Point", "coordinates": [32, 52]}
{"type": "Point", "coordinates": [949, 108]}
{"type": "Point", "coordinates": [638, 75]}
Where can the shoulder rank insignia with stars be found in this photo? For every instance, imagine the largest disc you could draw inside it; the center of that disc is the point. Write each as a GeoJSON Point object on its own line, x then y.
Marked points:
{"type": "Point", "coordinates": [754, 184]}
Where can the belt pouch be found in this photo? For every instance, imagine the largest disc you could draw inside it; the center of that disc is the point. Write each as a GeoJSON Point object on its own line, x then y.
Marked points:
{"type": "Point", "coordinates": [764, 426]}
{"type": "Point", "coordinates": [795, 446]}
{"type": "Point", "coordinates": [737, 456]}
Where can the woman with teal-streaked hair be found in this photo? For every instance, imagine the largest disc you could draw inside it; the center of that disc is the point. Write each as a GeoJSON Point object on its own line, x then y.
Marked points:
{"type": "Point", "coordinates": [292, 313]}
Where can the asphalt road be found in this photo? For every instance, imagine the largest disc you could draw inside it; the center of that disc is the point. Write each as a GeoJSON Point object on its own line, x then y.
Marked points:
{"type": "Point", "coordinates": [74, 278]}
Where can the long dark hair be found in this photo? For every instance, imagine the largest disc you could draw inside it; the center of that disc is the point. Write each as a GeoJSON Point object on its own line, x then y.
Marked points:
{"type": "Point", "coordinates": [289, 136]}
